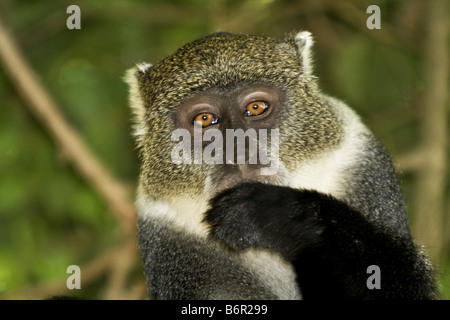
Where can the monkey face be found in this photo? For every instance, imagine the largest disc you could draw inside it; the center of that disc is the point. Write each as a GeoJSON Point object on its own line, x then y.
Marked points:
{"type": "Point", "coordinates": [260, 88]}
{"type": "Point", "coordinates": [234, 129]}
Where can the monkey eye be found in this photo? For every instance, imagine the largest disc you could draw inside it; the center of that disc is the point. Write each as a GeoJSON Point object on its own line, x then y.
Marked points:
{"type": "Point", "coordinates": [206, 119]}
{"type": "Point", "coordinates": [256, 108]}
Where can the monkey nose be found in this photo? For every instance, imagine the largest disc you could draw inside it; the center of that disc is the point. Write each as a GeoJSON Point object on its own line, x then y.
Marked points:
{"type": "Point", "coordinates": [246, 170]}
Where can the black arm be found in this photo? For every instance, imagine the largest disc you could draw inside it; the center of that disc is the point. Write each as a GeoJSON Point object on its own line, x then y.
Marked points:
{"type": "Point", "coordinates": [330, 245]}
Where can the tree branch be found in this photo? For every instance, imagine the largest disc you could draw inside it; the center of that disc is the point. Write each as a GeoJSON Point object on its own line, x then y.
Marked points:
{"type": "Point", "coordinates": [90, 272]}
{"type": "Point", "coordinates": [429, 206]}
{"type": "Point", "coordinates": [114, 193]}
{"type": "Point", "coordinates": [46, 110]}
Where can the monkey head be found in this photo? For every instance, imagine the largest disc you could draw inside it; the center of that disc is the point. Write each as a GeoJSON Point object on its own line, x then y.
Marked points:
{"type": "Point", "coordinates": [220, 83]}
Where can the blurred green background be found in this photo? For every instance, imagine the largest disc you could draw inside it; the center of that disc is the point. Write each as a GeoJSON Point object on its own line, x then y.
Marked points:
{"type": "Point", "coordinates": [50, 217]}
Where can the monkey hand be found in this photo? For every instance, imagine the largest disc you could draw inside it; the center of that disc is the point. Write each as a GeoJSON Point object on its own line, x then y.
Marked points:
{"type": "Point", "coordinates": [265, 216]}
{"type": "Point", "coordinates": [233, 217]}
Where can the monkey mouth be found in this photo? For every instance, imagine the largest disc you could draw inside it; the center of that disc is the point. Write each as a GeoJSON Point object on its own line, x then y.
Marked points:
{"type": "Point", "coordinates": [234, 174]}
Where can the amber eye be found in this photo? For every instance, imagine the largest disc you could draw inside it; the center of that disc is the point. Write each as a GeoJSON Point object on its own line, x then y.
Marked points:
{"type": "Point", "coordinates": [206, 119]}
{"type": "Point", "coordinates": [255, 108]}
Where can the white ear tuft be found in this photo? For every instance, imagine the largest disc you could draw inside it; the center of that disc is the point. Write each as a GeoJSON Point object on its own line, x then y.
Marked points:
{"type": "Point", "coordinates": [143, 66]}
{"type": "Point", "coordinates": [304, 42]}
{"type": "Point", "coordinates": [136, 100]}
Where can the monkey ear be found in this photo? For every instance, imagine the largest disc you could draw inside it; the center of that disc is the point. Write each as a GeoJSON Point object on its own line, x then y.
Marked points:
{"type": "Point", "coordinates": [304, 42]}
{"type": "Point", "coordinates": [134, 78]}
